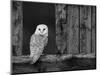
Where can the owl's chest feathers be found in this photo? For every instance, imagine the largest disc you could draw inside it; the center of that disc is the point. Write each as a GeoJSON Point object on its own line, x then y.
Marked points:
{"type": "Point", "coordinates": [39, 41]}
{"type": "Point", "coordinates": [40, 38]}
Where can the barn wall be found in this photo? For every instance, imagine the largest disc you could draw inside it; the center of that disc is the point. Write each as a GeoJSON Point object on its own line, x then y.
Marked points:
{"type": "Point", "coordinates": [75, 29]}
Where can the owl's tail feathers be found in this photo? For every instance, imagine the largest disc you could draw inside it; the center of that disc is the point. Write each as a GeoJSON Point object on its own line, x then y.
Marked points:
{"type": "Point", "coordinates": [34, 59]}
{"type": "Point", "coordinates": [31, 60]}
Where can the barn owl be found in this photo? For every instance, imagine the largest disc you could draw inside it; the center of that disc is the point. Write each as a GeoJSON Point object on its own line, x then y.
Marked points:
{"type": "Point", "coordinates": [38, 41]}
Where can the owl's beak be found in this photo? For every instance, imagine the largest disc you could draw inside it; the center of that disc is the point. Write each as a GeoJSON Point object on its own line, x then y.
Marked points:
{"type": "Point", "coordinates": [42, 32]}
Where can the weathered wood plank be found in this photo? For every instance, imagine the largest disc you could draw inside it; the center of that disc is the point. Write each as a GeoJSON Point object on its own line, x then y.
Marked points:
{"type": "Point", "coordinates": [17, 27]}
{"type": "Point", "coordinates": [82, 30]}
{"type": "Point", "coordinates": [93, 17]}
{"type": "Point", "coordinates": [88, 30]}
{"type": "Point", "coordinates": [60, 27]}
{"type": "Point", "coordinates": [85, 29]}
{"type": "Point", "coordinates": [73, 29]}
{"type": "Point", "coordinates": [69, 30]}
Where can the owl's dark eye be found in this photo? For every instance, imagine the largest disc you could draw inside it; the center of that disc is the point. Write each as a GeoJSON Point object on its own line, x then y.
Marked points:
{"type": "Point", "coordinates": [43, 29]}
{"type": "Point", "coordinates": [39, 29]}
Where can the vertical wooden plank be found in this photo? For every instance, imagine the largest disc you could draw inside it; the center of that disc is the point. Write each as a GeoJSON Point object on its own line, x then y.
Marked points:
{"type": "Point", "coordinates": [73, 29]}
{"type": "Point", "coordinates": [82, 30]}
{"type": "Point", "coordinates": [88, 30]}
{"type": "Point", "coordinates": [60, 27]}
{"type": "Point", "coordinates": [63, 28]}
{"type": "Point", "coordinates": [85, 29]}
{"type": "Point", "coordinates": [17, 27]}
{"type": "Point", "coordinates": [21, 28]}
{"type": "Point", "coordinates": [69, 30]}
{"type": "Point", "coordinates": [93, 16]}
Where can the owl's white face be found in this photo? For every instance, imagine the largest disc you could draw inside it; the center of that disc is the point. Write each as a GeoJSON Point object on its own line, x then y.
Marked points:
{"type": "Point", "coordinates": [42, 29]}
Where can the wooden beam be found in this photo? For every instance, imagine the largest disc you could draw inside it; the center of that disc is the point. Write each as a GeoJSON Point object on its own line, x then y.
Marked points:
{"type": "Point", "coordinates": [20, 59]}
{"type": "Point", "coordinates": [50, 58]}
